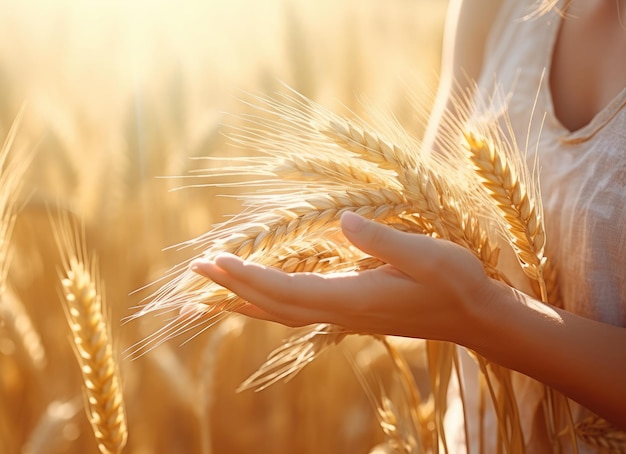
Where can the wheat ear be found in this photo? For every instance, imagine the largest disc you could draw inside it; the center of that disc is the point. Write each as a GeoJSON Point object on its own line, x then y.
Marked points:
{"type": "Point", "coordinates": [516, 204]}
{"type": "Point", "coordinates": [47, 434]}
{"type": "Point", "coordinates": [295, 353]}
{"type": "Point", "coordinates": [202, 304]}
{"type": "Point", "coordinates": [84, 309]}
{"type": "Point", "coordinates": [12, 310]}
{"type": "Point", "coordinates": [12, 173]}
{"type": "Point", "coordinates": [399, 418]}
{"type": "Point", "coordinates": [600, 434]}
{"type": "Point", "coordinates": [15, 315]}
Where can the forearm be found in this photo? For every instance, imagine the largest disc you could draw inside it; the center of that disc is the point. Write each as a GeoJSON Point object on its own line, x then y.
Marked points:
{"type": "Point", "coordinates": [582, 358]}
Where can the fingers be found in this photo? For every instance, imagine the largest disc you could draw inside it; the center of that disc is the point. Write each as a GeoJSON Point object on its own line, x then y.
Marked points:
{"type": "Point", "coordinates": [388, 299]}
{"type": "Point", "coordinates": [287, 298]}
{"type": "Point", "coordinates": [414, 254]}
{"type": "Point", "coordinates": [348, 299]}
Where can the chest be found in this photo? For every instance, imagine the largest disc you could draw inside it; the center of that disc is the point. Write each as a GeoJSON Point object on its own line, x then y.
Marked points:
{"type": "Point", "coordinates": [588, 68]}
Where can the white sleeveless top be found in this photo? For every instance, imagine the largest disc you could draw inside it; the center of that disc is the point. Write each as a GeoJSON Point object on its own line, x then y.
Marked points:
{"type": "Point", "coordinates": [583, 185]}
{"type": "Point", "coordinates": [582, 173]}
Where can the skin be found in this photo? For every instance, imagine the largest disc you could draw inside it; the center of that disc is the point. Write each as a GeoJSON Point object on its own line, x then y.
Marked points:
{"type": "Point", "coordinates": [594, 33]}
{"type": "Point", "coordinates": [433, 289]}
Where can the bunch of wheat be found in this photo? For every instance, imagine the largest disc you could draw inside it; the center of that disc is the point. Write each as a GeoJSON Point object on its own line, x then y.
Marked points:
{"type": "Point", "coordinates": [313, 166]}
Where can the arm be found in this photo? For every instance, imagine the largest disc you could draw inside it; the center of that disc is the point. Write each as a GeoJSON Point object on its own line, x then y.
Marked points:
{"type": "Point", "coordinates": [434, 289]}
{"type": "Point", "coordinates": [583, 359]}
{"type": "Point", "coordinates": [466, 29]}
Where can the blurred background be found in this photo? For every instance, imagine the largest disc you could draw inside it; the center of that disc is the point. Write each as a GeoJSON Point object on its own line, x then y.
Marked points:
{"type": "Point", "coordinates": [117, 95]}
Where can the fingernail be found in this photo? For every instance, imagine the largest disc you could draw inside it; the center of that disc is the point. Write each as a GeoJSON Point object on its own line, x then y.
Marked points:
{"type": "Point", "coordinates": [197, 264]}
{"type": "Point", "coordinates": [351, 221]}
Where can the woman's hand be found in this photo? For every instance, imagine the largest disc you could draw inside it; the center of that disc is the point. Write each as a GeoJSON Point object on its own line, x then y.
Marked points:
{"type": "Point", "coordinates": [434, 289]}
{"type": "Point", "coordinates": [429, 288]}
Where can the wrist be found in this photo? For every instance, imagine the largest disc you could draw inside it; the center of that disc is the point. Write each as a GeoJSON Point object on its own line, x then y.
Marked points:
{"type": "Point", "coordinates": [488, 316]}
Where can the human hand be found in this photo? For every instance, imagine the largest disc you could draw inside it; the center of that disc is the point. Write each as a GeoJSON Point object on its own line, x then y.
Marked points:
{"type": "Point", "coordinates": [428, 288]}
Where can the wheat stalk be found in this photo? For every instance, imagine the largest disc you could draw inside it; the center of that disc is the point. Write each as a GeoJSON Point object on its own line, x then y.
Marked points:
{"type": "Point", "coordinates": [411, 398]}
{"type": "Point", "coordinates": [84, 309]}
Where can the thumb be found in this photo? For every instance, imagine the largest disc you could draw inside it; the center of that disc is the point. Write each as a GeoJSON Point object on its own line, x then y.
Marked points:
{"type": "Point", "coordinates": [412, 253]}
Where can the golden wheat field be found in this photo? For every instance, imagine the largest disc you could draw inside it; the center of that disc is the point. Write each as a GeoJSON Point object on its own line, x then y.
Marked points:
{"type": "Point", "coordinates": [108, 107]}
